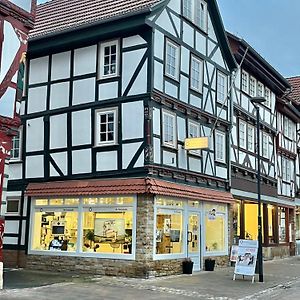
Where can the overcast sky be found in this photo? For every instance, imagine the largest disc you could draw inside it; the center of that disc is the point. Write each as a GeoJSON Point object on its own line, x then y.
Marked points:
{"type": "Point", "coordinates": [271, 27]}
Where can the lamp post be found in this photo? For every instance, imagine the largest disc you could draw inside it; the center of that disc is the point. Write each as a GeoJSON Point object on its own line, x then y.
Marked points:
{"type": "Point", "coordinates": [255, 101]}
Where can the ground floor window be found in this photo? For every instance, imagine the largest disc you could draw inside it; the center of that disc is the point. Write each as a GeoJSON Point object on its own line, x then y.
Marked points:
{"type": "Point", "coordinates": [215, 228]}
{"type": "Point", "coordinates": [298, 223]}
{"type": "Point", "coordinates": [275, 220]}
{"type": "Point", "coordinates": [99, 225]}
{"type": "Point", "coordinates": [168, 231]}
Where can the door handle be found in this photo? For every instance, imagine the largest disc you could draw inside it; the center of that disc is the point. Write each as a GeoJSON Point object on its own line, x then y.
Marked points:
{"type": "Point", "coordinates": [190, 236]}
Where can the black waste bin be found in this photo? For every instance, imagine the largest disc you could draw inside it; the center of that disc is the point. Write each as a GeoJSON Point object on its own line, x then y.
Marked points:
{"type": "Point", "coordinates": [209, 264]}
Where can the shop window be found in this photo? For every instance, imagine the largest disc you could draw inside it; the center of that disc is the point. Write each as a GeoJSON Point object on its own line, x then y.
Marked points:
{"type": "Point", "coordinates": [109, 59]}
{"type": "Point", "coordinates": [55, 230]}
{"type": "Point", "coordinates": [107, 232]}
{"type": "Point", "coordinates": [298, 223]}
{"type": "Point", "coordinates": [215, 228]}
{"type": "Point", "coordinates": [251, 222]}
{"type": "Point", "coordinates": [12, 206]}
{"type": "Point", "coordinates": [168, 231]}
{"type": "Point", "coordinates": [282, 234]}
{"type": "Point", "coordinates": [271, 224]}
{"type": "Point", "coordinates": [236, 222]}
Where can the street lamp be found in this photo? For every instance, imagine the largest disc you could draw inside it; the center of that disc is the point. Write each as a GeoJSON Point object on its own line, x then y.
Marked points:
{"type": "Point", "coordinates": [255, 101]}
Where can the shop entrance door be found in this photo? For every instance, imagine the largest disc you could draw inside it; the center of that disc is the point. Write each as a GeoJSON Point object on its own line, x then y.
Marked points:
{"type": "Point", "coordinates": [194, 239]}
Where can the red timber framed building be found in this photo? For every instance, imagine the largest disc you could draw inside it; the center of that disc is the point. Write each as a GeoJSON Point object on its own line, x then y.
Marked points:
{"type": "Point", "coordinates": [15, 22]}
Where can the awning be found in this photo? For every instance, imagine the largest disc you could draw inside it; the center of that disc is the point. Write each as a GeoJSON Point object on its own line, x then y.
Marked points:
{"type": "Point", "coordinates": [126, 187]}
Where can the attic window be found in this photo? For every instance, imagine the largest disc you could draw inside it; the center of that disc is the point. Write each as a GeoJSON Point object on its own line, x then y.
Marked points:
{"type": "Point", "coordinates": [109, 59]}
{"type": "Point", "coordinates": [196, 11]}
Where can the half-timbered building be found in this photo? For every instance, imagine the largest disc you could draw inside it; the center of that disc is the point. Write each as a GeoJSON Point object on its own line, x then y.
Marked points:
{"type": "Point", "coordinates": [256, 78]}
{"type": "Point", "coordinates": [104, 181]}
{"type": "Point", "coordinates": [294, 96]}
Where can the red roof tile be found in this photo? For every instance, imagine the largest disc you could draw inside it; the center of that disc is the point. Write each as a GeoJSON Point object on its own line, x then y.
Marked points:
{"type": "Point", "coordinates": [125, 187]}
{"type": "Point", "coordinates": [59, 15]}
{"type": "Point", "coordinates": [295, 94]}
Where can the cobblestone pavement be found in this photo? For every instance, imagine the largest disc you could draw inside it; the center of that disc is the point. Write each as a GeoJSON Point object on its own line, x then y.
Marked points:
{"type": "Point", "coordinates": [282, 280]}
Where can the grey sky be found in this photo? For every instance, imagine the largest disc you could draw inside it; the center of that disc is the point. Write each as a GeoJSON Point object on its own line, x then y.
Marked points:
{"type": "Point", "coordinates": [271, 27]}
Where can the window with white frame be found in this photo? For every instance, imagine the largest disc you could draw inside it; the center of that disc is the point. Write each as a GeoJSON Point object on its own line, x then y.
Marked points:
{"type": "Point", "coordinates": [15, 152]}
{"type": "Point", "coordinates": [193, 132]}
{"type": "Point", "coordinates": [242, 134]}
{"type": "Point", "coordinates": [260, 89]}
{"type": "Point", "coordinates": [265, 145]}
{"type": "Point", "coordinates": [252, 86]}
{"type": "Point", "coordinates": [196, 74]}
{"type": "Point", "coordinates": [187, 9]}
{"type": "Point", "coordinates": [268, 97]}
{"type": "Point", "coordinates": [106, 126]}
{"type": "Point", "coordinates": [172, 60]}
{"type": "Point", "coordinates": [196, 11]}
{"type": "Point", "coordinates": [12, 206]}
{"type": "Point", "coordinates": [250, 138]}
{"type": "Point", "coordinates": [169, 129]}
{"type": "Point", "coordinates": [220, 146]}
{"type": "Point", "coordinates": [109, 59]}
{"type": "Point", "coordinates": [245, 80]}
{"type": "Point", "coordinates": [221, 87]}
{"type": "Point", "coordinates": [286, 169]}
{"type": "Point", "coordinates": [288, 127]}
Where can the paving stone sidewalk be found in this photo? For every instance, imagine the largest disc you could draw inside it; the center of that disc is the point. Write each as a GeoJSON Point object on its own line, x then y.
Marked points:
{"type": "Point", "coordinates": [279, 275]}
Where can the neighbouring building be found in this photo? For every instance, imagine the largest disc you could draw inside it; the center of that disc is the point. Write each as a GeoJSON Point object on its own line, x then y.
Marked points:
{"type": "Point", "coordinates": [295, 97]}
{"type": "Point", "coordinates": [278, 150]}
{"type": "Point", "coordinates": [103, 181]}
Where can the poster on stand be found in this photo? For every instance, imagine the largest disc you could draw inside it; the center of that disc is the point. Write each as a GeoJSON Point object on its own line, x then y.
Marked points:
{"type": "Point", "coordinates": [246, 258]}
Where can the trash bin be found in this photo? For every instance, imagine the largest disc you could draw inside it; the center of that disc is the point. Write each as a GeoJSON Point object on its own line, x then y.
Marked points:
{"type": "Point", "coordinates": [209, 264]}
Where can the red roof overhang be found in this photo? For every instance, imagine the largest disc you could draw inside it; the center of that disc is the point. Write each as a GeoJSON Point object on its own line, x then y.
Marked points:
{"type": "Point", "coordinates": [125, 187]}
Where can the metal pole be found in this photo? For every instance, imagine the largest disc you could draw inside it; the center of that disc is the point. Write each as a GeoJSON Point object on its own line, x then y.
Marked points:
{"type": "Point", "coordinates": [259, 254]}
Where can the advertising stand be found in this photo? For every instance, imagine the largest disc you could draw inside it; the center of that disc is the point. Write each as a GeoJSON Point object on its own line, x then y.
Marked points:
{"type": "Point", "coordinates": [246, 259]}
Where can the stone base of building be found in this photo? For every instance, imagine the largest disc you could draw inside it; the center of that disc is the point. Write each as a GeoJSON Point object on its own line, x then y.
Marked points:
{"type": "Point", "coordinates": [111, 267]}
{"type": "Point", "coordinates": [14, 258]}
{"type": "Point", "coordinates": [275, 252]}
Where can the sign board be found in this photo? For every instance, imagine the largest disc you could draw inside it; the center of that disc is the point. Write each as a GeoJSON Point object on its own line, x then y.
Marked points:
{"type": "Point", "coordinates": [234, 253]}
{"type": "Point", "coordinates": [246, 258]}
{"type": "Point", "coordinates": [196, 143]}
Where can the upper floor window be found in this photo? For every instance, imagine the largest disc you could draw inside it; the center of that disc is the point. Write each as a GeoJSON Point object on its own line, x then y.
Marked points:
{"type": "Point", "coordinates": [193, 132]}
{"type": "Point", "coordinates": [260, 89]}
{"type": "Point", "coordinates": [250, 138]}
{"type": "Point", "coordinates": [172, 60]}
{"type": "Point", "coordinates": [220, 146]}
{"type": "Point", "coordinates": [169, 129]}
{"type": "Point", "coordinates": [252, 86]}
{"type": "Point", "coordinates": [245, 80]}
{"type": "Point", "coordinates": [109, 59]}
{"type": "Point", "coordinates": [242, 134]}
{"type": "Point", "coordinates": [15, 152]}
{"type": "Point", "coordinates": [196, 74]}
{"type": "Point", "coordinates": [196, 11]}
{"type": "Point", "coordinates": [268, 97]}
{"type": "Point", "coordinates": [288, 128]}
{"type": "Point", "coordinates": [265, 145]}
{"type": "Point", "coordinates": [286, 169]}
{"type": "Point", "coordinates": [221, 87]}
{"type": "Point", "coordinates": [13, 206]}
{"type": "Point", "coordinates": [106, 127]}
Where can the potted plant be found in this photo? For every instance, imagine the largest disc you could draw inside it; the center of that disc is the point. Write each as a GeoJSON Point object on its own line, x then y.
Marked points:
{"type": "Point", "coordinates": [209, 264]}
{"type": "Point", "coordinates": [187, 266]}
